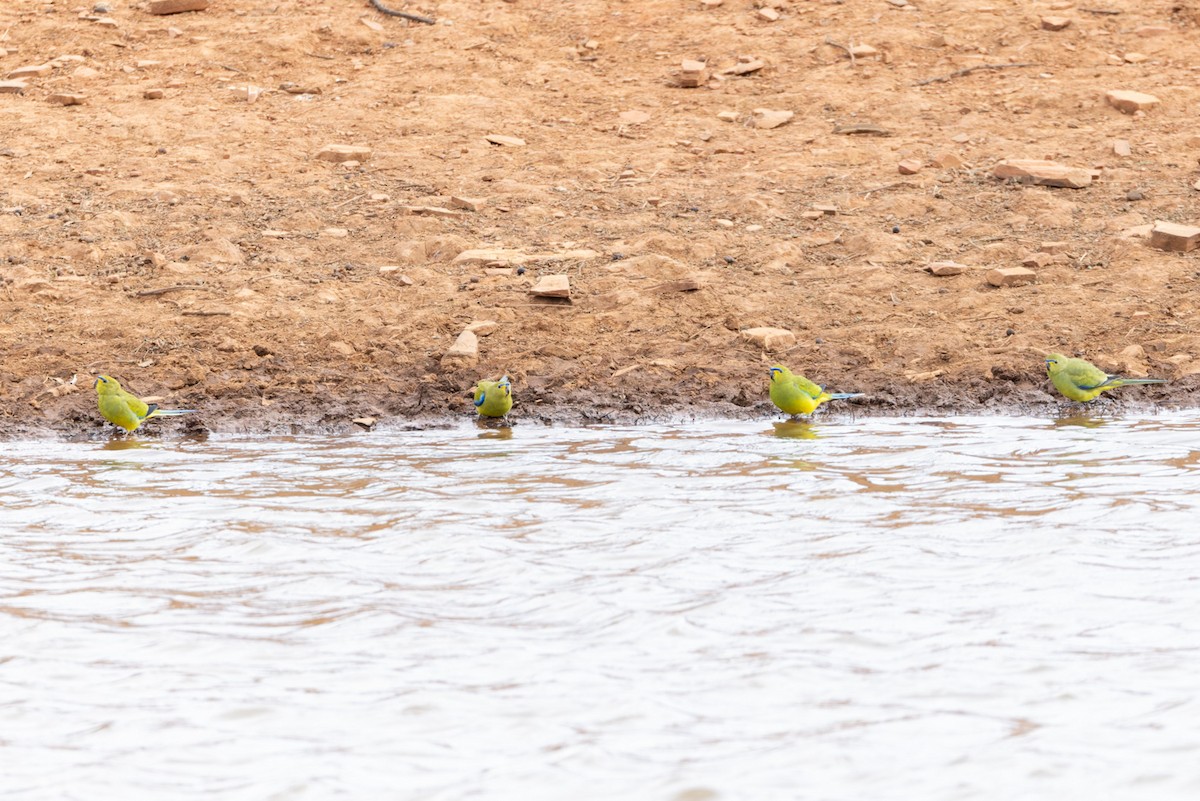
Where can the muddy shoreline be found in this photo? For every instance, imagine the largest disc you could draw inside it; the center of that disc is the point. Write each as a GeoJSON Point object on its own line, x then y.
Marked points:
{"type": "Point", "coordinates": [198, 244]}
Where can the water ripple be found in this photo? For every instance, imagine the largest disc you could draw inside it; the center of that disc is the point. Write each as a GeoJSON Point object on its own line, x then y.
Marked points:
{"type": "Point", "coordinates": [963, 608]}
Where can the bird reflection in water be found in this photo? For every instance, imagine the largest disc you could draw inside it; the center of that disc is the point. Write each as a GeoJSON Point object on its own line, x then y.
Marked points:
{"type": "Point", "coordinates": [1080, 420]}
{"type": "Point", "coordinates": [795, 429]}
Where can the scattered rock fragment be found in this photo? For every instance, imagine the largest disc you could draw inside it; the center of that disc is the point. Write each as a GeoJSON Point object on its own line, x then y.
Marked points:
{"type": "Point", "coordinates": [342, 348]}
{"type": "Point", "coordinates": [154, 94]}
{"type": "Point", "coordinates": [1054, 247]}
{"type": "Point", "coordinates": [766, 118]}
{"type": "Point", "coordinates": [1135, 58]}
{"type": "Point", "coordinates": [693, 73]}
{"type": "Point", "coordinates": [1011, 276]}
{"type": "Point", "coordinates": [947, 161]}
{"type": "Point", "coordinates": [910, 166]}
{"type": "Point", "coordinates": [13, 87]}
{"type": "Point", "coordinates": [505, 257]}
{"type": "Point", "coordinates": [365, 422]}
{"type": "Point", "coordinates": [943, 269]}
{"type": "Point", "coordinates": [771, 339]}
{"type": "Point", "coordinates": [467, 203]}
{"type": "Point", "coordinates": [465, 348]}
{"type": "Point", "coordinates": [1055, 23]}
{"type": "Point", "coordinates": [863, 51]}
{"type": "Point", "coordinates": [552, 286]}
{"type": "Point", "coordinates": [685, 285]}
{"type": "Point", "coordinates": [505, 141]}
{"type": "Point", "coordinates": [727, 116]}
{"type": "Point", "coordinates": [340, 153]}
{"type": "Point", "coordinates": [432, 211]}
{"type": "Point", "coordinates": [1174, 237]}
{"type": "Point", "coordinates": [30, 71]}
{"type": "Point", "coordinates": [482, 328]}
{"type": "Point", "coordinates": [744, 66]}
{"type": "Point", "coordinates": [65, 99]}
{"type": "Point", "coordinates": [768, 14]}
{"type": "Point", "coordinates": [1121, 147]}
{"type": "Point", "coordinates": [1043, 173]}
{"type": "Point", "coordinates": [1127, 101]}
{"type": "Point", "coordinates": [163, 7]}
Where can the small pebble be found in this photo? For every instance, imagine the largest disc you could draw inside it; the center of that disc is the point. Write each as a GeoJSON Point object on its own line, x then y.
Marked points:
{"type": "Point", "coordinates": [693, 208]}
{"type": "Point", "coordinates": [895, 229]}
{"type": "Point", "coordinates": [520, 271]}
{"type": "Point", "coordinates": [729, 259]}
{"type": "Point", "coordinates": [618, 256]}
{"type": "Point", "coordinates": [1135, 194]}
{"type": "Point", "coordinates": [101, 8]}
{"type": "Point", "coordinates": [1009, 332]}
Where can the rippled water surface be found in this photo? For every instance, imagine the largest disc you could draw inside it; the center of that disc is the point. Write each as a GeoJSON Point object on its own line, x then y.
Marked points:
{"type": "Point", "coordinates": [876, 609]}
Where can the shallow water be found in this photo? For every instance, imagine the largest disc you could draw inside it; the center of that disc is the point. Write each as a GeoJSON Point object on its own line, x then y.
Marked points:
{"type": "Point", "coordinates": [890, 609]}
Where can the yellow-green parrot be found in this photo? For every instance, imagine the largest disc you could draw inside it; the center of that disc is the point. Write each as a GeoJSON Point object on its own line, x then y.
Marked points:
{"type": "Point", "coordinates": [125, 410]}
{"type": "Point", "coordinates": [1083, 381]}
{"type": "Point", "coordinates": [795, 394]}
{"type": "Point", "coordinates": [494, 398]}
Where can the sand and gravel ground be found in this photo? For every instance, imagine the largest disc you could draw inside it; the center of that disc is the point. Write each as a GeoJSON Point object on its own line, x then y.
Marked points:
{"type": "Point", "coordinates": [195, 246]}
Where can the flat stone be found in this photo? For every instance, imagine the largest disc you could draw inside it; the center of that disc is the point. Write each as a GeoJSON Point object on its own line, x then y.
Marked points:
{"type": "Point", "coordinates": [432, 211]}
{"type": "Point", "coordinates": [154, 94]}
{"type": "Point", "coordinates": [745, 66]}
{"type": "Point", "coordinates": [1011, 276]}
{"type": "Point", "coordinates": [467, 203]}
{"type": "Point", "coordinates": [1054, 247]}
{"type": "Point", "coordinates": [1135, 58]}
{"type": "Point", "coordinates": [1055, 23]}
{"type": "Point", "coordinates": [505, 141]}
{"type": "Point", "coordinates": [825, 209]}
{"type": "Point", "coordinates": [1127, 101]}
{"type": "Point", "coordinates": [943, 269]}
{"type": "Point", "coordinates": [692, 73]}
{"type": "Point", "coordinates": [30, 71]}
{"type": "Point", "coordinates": [465, 347]}
{"type": "Point", "coordinates": [505, 257]}
{"type": "Point", "coordinates": [727, 116]}
{"type": "Point", "coordinates": [1121, 147]}
{"type": "Point", "coordinates": [770, 338]}
{"type": "Point", "coordinates": [910, 166]}
{"type": "Point", "coordinates": [552, 286]}
{"type": "Point", "coordinates": [482, 328]}
{"type": "Point", "coordinates": [340, 153]}
{"type": "Point", "coordinates": [947, 161]}
{"type": "Point", "coordinates": [1152, 30]}
{"type": "Point", "coordinates": [163, 7]}
{"type": "Point", "coordinates": [768, 14]}
{"type": "Point", "coordinates": [13, 87]}
{"type": "Point", "coordinates": [65, 99]}
{"type": "Point", "coordinates": [686, 285]}
{"type": "Point", "coordinates": [766, 118]}
{"type": "Point", "coordinates": [365, 422]}
{"type": "Point", "coordinates": [85, 73]}
{"type": "Point", "coordinates": [863, 51]}
{"type": "Point", "coordinates": [1043, 173]}
{"type": "Point", "coordinates": [342, 348]}
{"type": "Point", "coordinates": [1171, 236]}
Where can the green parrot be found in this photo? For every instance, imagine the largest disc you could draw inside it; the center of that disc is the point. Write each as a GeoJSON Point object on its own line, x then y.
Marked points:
{"type": "Point", "coordinates": [494, 398]}
{"type": "Point", "coordinates": [1083, 381]}
{"type": "Point", "coordinates": [795, 394]}
{"type": "Point", "coordinates": [125, 410]}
